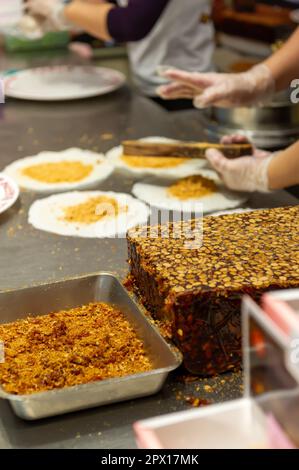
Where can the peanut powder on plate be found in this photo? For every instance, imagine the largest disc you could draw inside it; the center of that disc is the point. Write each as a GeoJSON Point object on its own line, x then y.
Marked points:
{"type": "Point", "coordinates": [192, 187]}
{"type": "Point", "coordinates": [58, 172]}
{"type": "Point", "coordinates": [93, 210]}
{"type": "Point", "coordinates": [153, 162]}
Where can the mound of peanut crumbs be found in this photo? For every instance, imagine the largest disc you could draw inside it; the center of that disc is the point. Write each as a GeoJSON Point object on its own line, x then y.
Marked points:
{"type": "Point", "coordinates": [153, 162]}
{"type": "Point", "coordinates": [58, 172]}
{"type": "Point", "coordinates": [70, 347]}
{"type": "Point", "coordinates": [192, 187]}
{"type": "Point", "coordinates": [93, 210]}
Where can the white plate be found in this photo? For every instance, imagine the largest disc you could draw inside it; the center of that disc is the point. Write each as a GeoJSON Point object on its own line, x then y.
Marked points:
{"type": "Point", "coordinates": [101, 170]}
{"type": "Point", "coordinates": [9, 192]}
{"type": "Point", "coordinates": [155, 194]}
{"type": "Point", "coordinates": [65, 82]}
{"type": "Point", "coordinates": [47, 215]}
{"type": "Point", "coordinates": [233, 211]}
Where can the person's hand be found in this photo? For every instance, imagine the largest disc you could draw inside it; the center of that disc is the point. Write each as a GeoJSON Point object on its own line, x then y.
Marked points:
{"type": "Point", "coordinates": [219, 89]}
{"type": "Point", "coordinates": [245, 173]}
{"type": "Point", "coordinates": [30, 27]}
{"type": "Point", "coordinates": [43, 8]}
{"type": "Point", "coordinates": [82, 49]}
{"type": "Point", "coordinates": [51, 11]}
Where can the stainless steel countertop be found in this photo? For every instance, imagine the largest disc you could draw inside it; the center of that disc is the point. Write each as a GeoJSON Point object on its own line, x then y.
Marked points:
{"type": "Point", "coordinates": [30, 257]}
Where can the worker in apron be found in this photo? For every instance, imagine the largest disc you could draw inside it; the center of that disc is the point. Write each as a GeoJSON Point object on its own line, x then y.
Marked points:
{"type": "Point", "coordinates": [162, 32]}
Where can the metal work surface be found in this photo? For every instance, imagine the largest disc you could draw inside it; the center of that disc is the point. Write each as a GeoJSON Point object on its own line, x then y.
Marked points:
{"type": "Point", "coordinates": [29, 257]}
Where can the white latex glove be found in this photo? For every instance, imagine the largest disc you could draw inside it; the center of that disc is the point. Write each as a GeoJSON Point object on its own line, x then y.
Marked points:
{"type": "Point", "coordinates": [43, 7]}
{"type": "Point", "coordinates": [51, 10]}
{"type": "Point", "coordinates": [30, 27]}
{"type": "Point", "coordinates": [220, 89]}
{"type": "Point", "coordinates": [244, 173]}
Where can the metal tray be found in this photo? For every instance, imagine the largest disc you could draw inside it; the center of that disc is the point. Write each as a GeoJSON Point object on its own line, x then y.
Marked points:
{"type": "Point", "coordinates": [71, 293]}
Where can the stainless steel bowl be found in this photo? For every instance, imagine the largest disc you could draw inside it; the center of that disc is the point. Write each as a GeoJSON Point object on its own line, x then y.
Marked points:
{"type": "Point", "coordinates": [272, 126]}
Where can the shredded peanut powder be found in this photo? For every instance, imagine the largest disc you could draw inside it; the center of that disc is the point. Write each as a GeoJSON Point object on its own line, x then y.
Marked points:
{"type": "Point", "coordinates": [71, 347]}
{"type": "Point", "coordinates": [154, 162]}
{"type": "Point", "coordinates": [192, 187]}
{"type": "Point", "coordinates": [58, 172]}
{"type": "Point", "coordinates": [93, 210]}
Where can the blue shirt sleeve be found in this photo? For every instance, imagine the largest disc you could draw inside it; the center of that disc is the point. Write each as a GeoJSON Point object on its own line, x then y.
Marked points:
{"type": "Point", "coordinates": [134, 22]}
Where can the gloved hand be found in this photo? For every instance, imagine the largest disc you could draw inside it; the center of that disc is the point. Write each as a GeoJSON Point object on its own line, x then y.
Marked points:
{"type": "Point", "coordinates": [220, 89]}
{"type": "Point", "coordinates": [42, 7]}
{"type": "Point", "coordinates": [245, 173]}
{"type": "Point", "coordinates": [30, 27]}
{"type": "Point", "coordinates": [51, 10]}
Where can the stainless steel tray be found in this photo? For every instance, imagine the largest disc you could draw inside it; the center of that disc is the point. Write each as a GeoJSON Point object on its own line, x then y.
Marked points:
{"type": "Point", "coordinates": [71, 293]}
